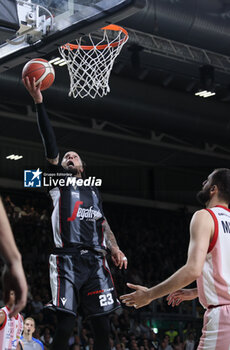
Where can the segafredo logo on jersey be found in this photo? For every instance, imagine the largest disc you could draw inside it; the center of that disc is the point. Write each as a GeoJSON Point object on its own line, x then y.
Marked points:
{"type": "Point", "coordinates": [84, 213]}
{"type": "Point", "coordinates": [90, 214]}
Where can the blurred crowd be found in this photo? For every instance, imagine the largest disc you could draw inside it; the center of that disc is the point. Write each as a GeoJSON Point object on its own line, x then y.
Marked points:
{"type": "Point", "coordinates": [155, 243]}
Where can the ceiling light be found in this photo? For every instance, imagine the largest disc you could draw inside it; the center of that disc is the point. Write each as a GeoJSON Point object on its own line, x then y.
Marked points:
{"type": "Point", "coordinates": [205, 93]}
{"type": "Point", "coordinates": [58, 61]}
{"type": "Point", "coordinates": [206, 86]}
{"type": "Point", "coordinates": [55, 59]}
{"type": "Point", "coordinates": [209, 94]}
{"type": "Point", "coordinates": [14, 157]}
{"type": "Point", "coordinates": [61, 60]}
{"type": "Point", "coordinates": [63, 63]}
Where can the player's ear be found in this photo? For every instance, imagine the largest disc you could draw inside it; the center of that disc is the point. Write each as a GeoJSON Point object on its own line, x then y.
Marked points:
{"type": "Point", "coordinates": [213, 188]}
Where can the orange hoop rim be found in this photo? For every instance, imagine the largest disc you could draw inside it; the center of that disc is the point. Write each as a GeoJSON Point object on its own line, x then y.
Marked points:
{"type": "Point", "coordinates": [100, 47]}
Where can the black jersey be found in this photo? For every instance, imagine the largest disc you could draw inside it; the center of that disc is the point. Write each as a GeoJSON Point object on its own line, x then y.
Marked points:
{"type": "Point", "coordinates": [77, 215]}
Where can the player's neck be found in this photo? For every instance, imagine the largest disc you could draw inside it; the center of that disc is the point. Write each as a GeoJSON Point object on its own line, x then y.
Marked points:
{"type": "Point", "coordinates": [27, 337]}
{"type": "Point", "coordinates": [9, 306]}
{"type": "Point", "coordinates": [215, 201]}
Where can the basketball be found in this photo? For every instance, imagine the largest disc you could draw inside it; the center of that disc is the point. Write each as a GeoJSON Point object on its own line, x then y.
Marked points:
{"type": "Point", "coordinates": [41, 70]}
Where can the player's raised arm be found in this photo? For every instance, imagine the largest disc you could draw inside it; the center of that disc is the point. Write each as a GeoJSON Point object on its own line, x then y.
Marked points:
{"type": "Point", "coordinates": [44, 125]}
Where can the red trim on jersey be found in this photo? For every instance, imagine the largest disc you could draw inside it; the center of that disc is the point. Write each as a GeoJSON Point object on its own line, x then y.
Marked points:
{"type": "Point", "coordinates": [108, 271]}
{"type": "Point", "coordinates": [75, 211]}
{"type": "Point", "coordinates": [60, 216]}
{"type": "Point", "coordinates": [4, 323]}
{"type": "Point", "coordinates": [223, 207]}
{"type": "Point", "coordinates": [58, 278]}
{"type": "Point", "coordinates": [215, 236]}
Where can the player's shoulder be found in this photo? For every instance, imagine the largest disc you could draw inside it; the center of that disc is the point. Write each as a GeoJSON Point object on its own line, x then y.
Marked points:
{"type": "Point", "coordinates": [202, 216]}
{"type": "Point", "coordinates": [3, 311]}
{"type": "Point", "coordinates": [201, 213]}
{"type": "Point", "coordinates": [38, 342]}
{"type": "Point", "coordinates": [3, 317]}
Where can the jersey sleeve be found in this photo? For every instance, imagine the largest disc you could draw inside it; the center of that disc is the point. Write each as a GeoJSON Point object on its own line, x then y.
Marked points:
{"type": "Point", "coordinates": [46, 131]}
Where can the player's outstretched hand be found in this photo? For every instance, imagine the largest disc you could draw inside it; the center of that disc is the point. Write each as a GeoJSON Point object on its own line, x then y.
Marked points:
{"type": "Point", "coordinates": [33, 89]}
{"type": "Point", "coordinates": [137, 299]}
{"type": "Point", "coordinates": [180, 295]}
{"type": "Point", "coordinates": [119, 258]}
{"type": "Point", "coordinates": [14, 279]}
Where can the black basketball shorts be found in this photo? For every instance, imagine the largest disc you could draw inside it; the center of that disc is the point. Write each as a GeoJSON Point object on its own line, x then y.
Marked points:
{"type": "Point", "coordinates": [82, 282]}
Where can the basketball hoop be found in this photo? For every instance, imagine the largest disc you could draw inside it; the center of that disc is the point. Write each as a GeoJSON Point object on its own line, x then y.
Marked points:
{"type": "Point", "coordinates": [90, 65]}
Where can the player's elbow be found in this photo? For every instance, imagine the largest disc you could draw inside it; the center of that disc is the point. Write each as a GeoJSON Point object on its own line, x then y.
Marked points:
{"type": "Point", "coordinates": [193, 271]}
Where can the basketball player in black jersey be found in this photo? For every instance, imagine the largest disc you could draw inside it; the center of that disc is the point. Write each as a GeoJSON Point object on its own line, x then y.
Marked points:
{"type": "Point", "coordinates": [79, 274]}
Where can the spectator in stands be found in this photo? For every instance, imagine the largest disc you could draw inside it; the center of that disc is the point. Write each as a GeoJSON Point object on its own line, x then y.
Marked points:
{"type": "Point", "coordinates": [164, 345]}
{"type": "Point", "coordinates": [111, 343]}
{"type": "Point", "coordinates": [90, 344]}
{"type": "Point", "coordinates": [46, 338]}
{"type": "Point", "coordinates": [188, 330]}
{"type": "Point", "coordinates": [124, 341]}
{"type": "Point", "coordinates": [154, 342]}
{"type": "Point", "coordinates": [27, 339]}
{"type": "Point", "coordinates": [145, 328]}
{"type": "Point", "coordinates": [177, 343]}
{"type": "Point", "coordinates": [172, 333]}
{"type": "Point", "coordinates": [135, 328]}
{"type": "Point", "coordinates": [133, 345]}
{"type": "Point", "coordinates": [190, 342]}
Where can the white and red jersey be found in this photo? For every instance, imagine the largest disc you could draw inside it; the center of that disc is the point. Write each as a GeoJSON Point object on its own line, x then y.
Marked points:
{"type": "Point", "coordinates": [10, 331]}
{"type": "Point", "coordinates": [214, 282]}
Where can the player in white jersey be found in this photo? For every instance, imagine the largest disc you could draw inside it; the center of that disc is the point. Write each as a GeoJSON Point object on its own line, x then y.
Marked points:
{"type": "Point", "coordinates": [10, 327]}
{"type": "Point", "coordinates": [208, 262]}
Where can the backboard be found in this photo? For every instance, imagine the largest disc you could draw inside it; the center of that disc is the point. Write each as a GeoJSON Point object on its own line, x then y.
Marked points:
{"type": "Point", "coordinates": [48, 24]}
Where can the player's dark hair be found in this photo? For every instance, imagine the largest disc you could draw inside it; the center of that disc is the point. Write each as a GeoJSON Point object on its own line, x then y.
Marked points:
{"type": "Point", "coordinates": [83, 174]}
{"type": "Point", "coordinates": [221, 178]}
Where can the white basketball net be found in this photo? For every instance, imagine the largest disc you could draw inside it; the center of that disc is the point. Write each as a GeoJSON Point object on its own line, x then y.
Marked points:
{"type": "Point", "coordinates": [90, 69]}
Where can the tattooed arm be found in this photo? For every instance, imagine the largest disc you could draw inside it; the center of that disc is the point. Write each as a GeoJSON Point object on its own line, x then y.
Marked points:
{"type": "Point", "coordinates": [117, 255]}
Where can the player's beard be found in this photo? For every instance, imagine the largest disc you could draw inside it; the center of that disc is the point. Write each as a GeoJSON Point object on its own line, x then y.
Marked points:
{"type": "Point", "coordinates": [73, 171]}
{"type": "Point", "coordinates": [203, 196]}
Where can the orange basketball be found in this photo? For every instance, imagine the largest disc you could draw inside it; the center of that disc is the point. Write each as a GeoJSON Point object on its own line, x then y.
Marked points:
{"type": "Point", "coordinates": [41, 70]}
